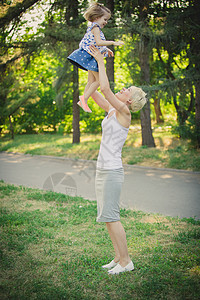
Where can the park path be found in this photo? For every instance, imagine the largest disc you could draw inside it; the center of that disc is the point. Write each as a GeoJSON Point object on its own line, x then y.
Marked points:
{"type": "Point", "coordinates": [169, 192]}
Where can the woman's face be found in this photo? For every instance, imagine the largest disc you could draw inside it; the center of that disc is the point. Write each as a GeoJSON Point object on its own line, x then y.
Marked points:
{"type": "Point", "coordinates": [125, 94]}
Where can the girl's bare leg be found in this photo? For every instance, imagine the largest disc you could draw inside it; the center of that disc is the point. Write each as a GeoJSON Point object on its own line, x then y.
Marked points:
{"type": "Point", "coordinates": [91, 80]}
{"type": "Point", "coordinates": [92, 85]}
{"type": "Point", "coordinates": [83, 101]}
{"type": "Point", "coordinates": [118, 237]}
{"type": "Point", "coordinates": [90, 88]}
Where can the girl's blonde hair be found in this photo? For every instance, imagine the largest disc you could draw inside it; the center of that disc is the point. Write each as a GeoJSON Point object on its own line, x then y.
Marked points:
{"type": "Point", "coordinates": [139, 99]}
{"type": "Point", "coordinates": [96, 10]}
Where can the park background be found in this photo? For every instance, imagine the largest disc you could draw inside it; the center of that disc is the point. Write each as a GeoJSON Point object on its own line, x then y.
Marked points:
{"type": "Point", "coordinates": [51, 246]}
{"type": "Point", "coordinates": [39, 88]}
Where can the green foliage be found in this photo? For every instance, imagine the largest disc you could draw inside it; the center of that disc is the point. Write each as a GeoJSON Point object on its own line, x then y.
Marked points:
{"type": "Point", "coordinates": [188, 130]}
{"type": "Point", "coordinates": [42, 114]}
{"type": "Point", "coordinates": [35, 72]}
{"type": "Point", "coordinates": [92, 123]}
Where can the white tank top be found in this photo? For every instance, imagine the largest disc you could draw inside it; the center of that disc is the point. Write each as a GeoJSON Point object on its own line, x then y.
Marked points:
{"type": "Point", "coordinates": [113, 138]}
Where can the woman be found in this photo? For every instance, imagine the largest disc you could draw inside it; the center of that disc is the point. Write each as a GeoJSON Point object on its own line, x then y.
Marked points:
{"type": "Point", "coordinates": [109, 173]}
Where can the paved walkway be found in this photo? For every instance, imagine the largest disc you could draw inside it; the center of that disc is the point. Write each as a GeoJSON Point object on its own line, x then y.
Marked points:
{"type": "Point", "coordinates": [165, 191]}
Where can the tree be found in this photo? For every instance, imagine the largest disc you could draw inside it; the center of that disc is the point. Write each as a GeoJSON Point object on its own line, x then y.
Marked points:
{"type": "Point", "coordinates": [173, 27]}
{"type": "Point", "coordinates": [136, 20]}
{"type": "Point", "coordinates": [76, 129]}
{"type": "Point", "coordinates": [193, 26]}
{"type": "Point", "coordinates": [144, 57]}
{"type": "Point", "coordinates": [76, 118]}
{"type": "Point", "coordinates": [162, 55]}
{"type": "Point", "coordinates": [11, 52]}
{"type": "Point", "coordinates": [14, 12]}
{"type": "Point", "coordinates": [66, 31]}
{"type": "Point", "coordinates": [110, 60]}
{"type": "Point", "coordinates": [158, 112]}
{"type": "Point", "coordinates": [180, 22]}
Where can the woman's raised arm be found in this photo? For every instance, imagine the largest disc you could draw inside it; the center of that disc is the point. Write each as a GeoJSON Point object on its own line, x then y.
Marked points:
{"type": "Point", "coordinates": [104, 83]}
{"type": "Point", "coordinates": [101, 101]}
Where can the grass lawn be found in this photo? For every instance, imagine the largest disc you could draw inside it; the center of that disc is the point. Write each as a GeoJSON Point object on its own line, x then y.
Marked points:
{"type": "Point", "coordinates": [170, 152]}
{"type": "Point", "coordinates": [52, 248]}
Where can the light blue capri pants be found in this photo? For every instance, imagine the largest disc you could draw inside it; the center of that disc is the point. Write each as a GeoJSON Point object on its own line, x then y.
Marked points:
{"type": "Point", "coordinates": [108, 185]}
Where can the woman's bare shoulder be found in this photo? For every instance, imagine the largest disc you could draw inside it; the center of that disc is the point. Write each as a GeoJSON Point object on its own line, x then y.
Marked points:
{"type": "Point", "coordinates": [124, 119]}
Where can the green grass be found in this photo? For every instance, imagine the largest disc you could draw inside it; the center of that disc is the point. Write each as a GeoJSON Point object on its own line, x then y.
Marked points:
{"type": "Point", "coordinates": [170, 152]}
{"type": "Point", "coordinates": [52, 248]}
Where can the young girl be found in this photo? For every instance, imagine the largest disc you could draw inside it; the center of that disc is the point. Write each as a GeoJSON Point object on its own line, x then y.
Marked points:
{"type": "Point", "coordinates": [99, 15]}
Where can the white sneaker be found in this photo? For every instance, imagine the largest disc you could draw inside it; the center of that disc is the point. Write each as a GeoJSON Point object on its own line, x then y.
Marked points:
{"type": "Point", "coordinates": [119, 269]}
{"type": "Point", "coordinates": [109, 266]}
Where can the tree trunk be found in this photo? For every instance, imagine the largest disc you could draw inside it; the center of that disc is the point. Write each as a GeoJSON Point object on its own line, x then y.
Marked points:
{"type": "Point", "coordinates": [196, 55]}
{"type": "Point", "coordinates": [72, 9]}
{"type": "Point", "coordinates": [11, 127]}
{"type": "Point", "coordinates": [76, 117]}
{"type": "Point", "coordinates": [147, 136]}
{"type": "Point", "coordinates": [110, 60]}
{"type": "Point", "coordinates": [110, 70]}
{"type": "Point", "coordinates": [197, 112]}
{"type": "Point", "coordinates": [2, 118]}
{"type": "Point", "coordinates": [182, 113]}
{"type": "Point", "coordinates": [159, 116]}
{"type": "Point", "coordinates": [145, 117]}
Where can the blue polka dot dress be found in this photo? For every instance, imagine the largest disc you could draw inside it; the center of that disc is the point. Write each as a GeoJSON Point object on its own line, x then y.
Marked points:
{"type": "Point", "coordinates": [81, 58]}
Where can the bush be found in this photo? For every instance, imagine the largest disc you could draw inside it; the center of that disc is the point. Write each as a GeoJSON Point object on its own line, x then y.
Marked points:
{"type": "Point", "coordinates": [188, 130]}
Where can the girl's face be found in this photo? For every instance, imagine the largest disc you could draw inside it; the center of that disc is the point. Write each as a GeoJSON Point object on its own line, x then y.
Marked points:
{"type": "Point", "coordinates": [102, 21]}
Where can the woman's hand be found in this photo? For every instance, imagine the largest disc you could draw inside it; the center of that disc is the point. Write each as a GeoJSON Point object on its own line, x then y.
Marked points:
{"type": "Point", "coordinates": [96, 53]}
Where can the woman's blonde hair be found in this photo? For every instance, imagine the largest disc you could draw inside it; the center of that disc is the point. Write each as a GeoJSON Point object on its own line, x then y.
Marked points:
{"type": "Point", "coordinates": [139, 99]}
{"type": "Point", "coordinates": [96, 10]}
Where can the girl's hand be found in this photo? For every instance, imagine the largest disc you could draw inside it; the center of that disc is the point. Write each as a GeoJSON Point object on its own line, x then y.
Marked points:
{"type": "Point", "coordinates": [95, 53]}
{"type": "Point", "coordinates": [118, 43]}
{"type": "Point", "coordinates": [110, 53]}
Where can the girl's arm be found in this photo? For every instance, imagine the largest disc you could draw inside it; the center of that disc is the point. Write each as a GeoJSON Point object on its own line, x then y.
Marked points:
{"type": "Point", "coordinates": [100, 101]}
{"type": "Point", "coordinates": [100, 42]}
{"type": "Point", "coordinates": [104, 84]}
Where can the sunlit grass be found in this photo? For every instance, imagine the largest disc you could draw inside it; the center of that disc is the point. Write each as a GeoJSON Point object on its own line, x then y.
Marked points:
{"type": "Point", "coordinates": [52, 248]}
{"type": "Point", "coordinates": [170, 152]}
